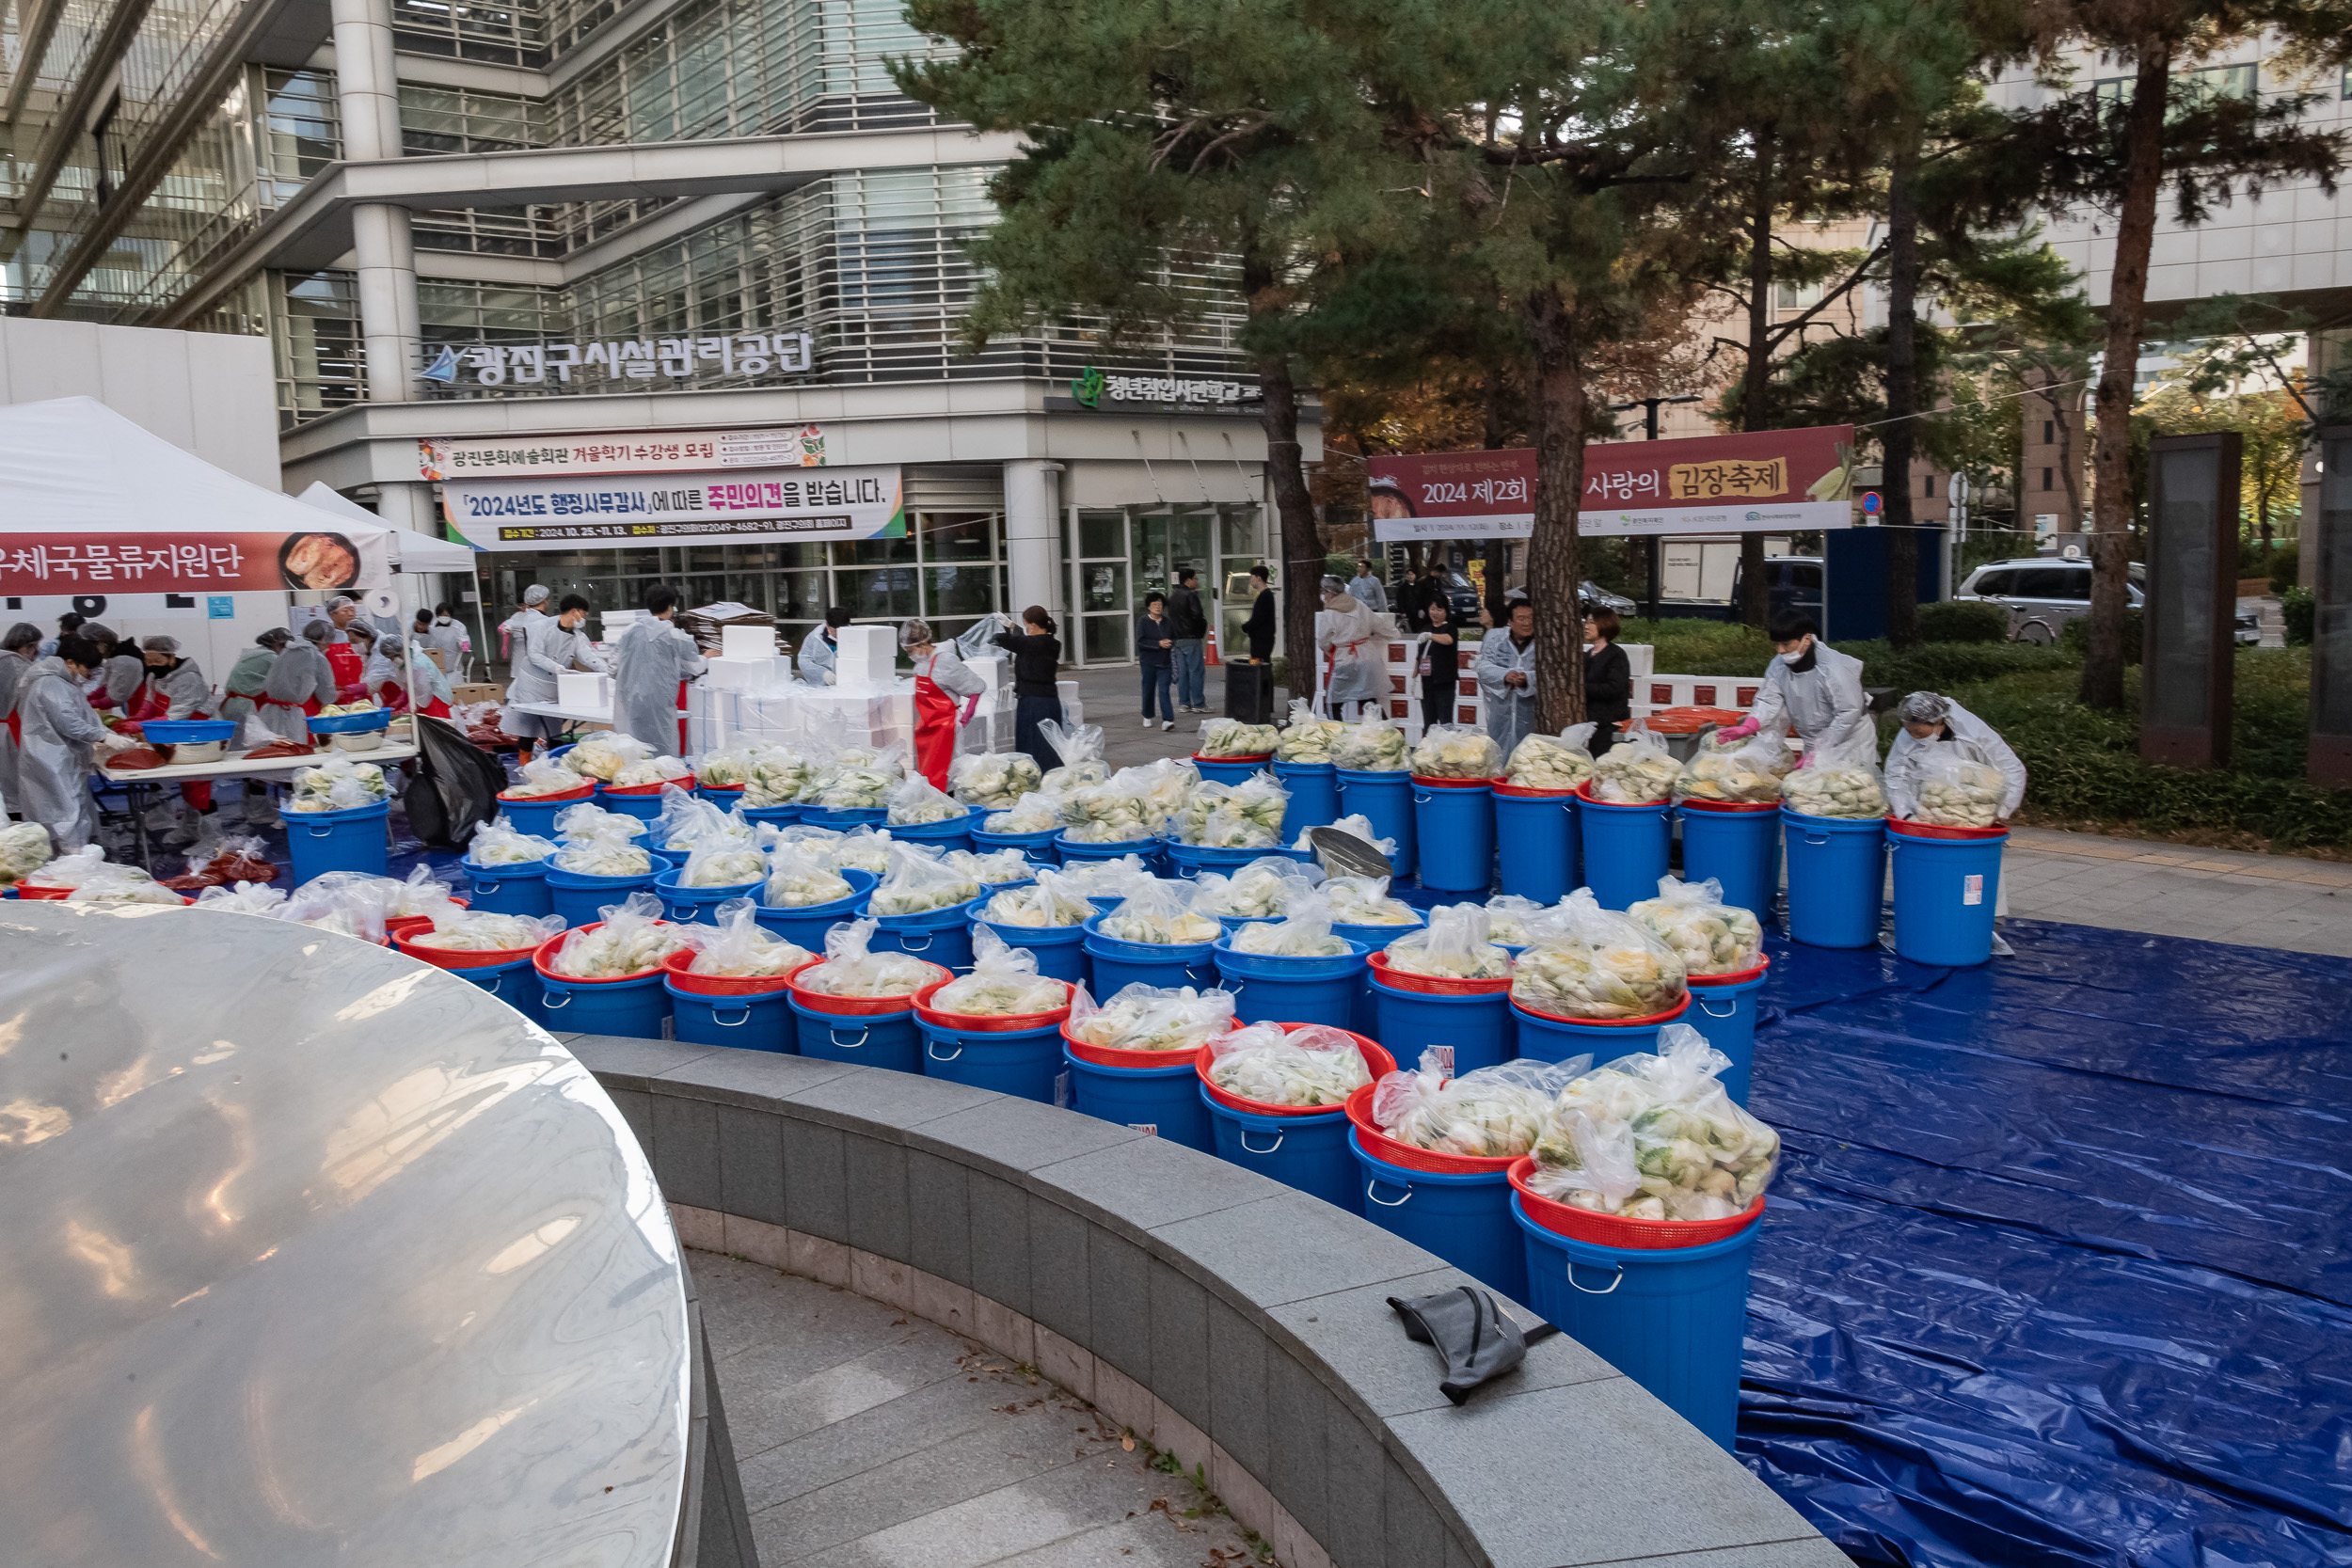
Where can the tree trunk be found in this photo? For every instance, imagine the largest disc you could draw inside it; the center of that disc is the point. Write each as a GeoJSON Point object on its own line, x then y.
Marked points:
{"type": "Point", "coordinates": [1295, 509]}
{"type": "Point", "coordinates": [1496, 553]}
{"type": "Point", "coordinates": [2127, 302]}
{"type": "Point", "coordinates": [1554, 571]}
{"type": "Point", "coordinates": [1755, 595]}
{"type": "Point", "coordinates": [1902, 395]}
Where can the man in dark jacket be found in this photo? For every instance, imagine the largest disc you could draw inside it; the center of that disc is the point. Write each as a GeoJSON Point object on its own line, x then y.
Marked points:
{"type": "Point", "coordinates": [1263, 625]}
{"type": "Point", "coordinates": [1191, 621]}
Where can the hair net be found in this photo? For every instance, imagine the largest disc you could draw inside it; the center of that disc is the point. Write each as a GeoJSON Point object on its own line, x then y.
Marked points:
{"type": "Point", "coordinates": [535, 593]}
{"type": "Point", "coordinates": [315, 631]}
{"type": "Point", "coordinates": [161, 644]}
{"type": "Point", "coordinates": [92, 631]}
{"type": "Point", "coordinates": [915, 633]}
{"type": "Point", "coordinates": [1924, 707]}
{"type": "Point", "coordinates": [342, 601]}
{"type": "Point", "coordinates": [21, 635]}
{"type": "Point", "coordinates": [277, 636]}
{"type": "Point", "coordinates": [1332, 585]}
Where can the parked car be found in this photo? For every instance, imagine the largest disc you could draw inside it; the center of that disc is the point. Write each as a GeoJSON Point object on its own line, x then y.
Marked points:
{"type": "Point", "coordinates": [1592, 596]}
{"type": "Point", "coordinates": [1795, 584]}
{"type": "Point", "coordinates": [2042, 593]}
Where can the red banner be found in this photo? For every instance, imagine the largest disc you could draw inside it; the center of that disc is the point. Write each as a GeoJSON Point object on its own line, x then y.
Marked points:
{"type": "Point", "coordinates": [36, 563]}
{"type": "Point", "coordinates": [1766, 481]}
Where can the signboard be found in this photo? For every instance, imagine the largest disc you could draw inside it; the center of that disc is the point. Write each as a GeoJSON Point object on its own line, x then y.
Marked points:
{"type": "Point", "coordinates": [1094, 388]}
{"type": "Point", "coordinates": [629, 453]}
{"type": "Point", "coordinates": [752, 353]}
{"type": "Point", "coordinates": [187, 563]}
{"type": "Point", "coordinates": [1766, 481]}
{"type": "Point", "coordinates": [742, 507]}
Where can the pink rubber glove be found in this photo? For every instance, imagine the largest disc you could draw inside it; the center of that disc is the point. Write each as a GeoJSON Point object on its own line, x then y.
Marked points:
{"type": "Point", "coordinates": [1806, 760]}
{"type": "Point", "coordinates": [1741, 731]}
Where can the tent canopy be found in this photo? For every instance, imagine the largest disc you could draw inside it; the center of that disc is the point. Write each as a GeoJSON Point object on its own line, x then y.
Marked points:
{"type": "Point", "coordinates": [411, 551]}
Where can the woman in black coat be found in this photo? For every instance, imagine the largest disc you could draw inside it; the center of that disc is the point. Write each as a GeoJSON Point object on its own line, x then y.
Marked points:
{"type": "Point", "coordinates": [1608, 679]}
{"type": "Point", "coordinates": [1440, 665]}
{"type": "Point", "coordinates": [1036, 667]}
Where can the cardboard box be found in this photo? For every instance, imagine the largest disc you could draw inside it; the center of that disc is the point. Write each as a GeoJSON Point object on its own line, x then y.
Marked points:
{"type": "Point", "coordinates": [477, 691]}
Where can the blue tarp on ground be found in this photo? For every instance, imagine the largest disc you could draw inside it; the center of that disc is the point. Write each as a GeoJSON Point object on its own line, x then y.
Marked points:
{"type": "Point", "coordinates": [2052, 1271]}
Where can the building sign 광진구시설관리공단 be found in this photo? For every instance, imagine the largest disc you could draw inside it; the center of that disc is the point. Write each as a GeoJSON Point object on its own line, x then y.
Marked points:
{"type": "Point", "coordinates": [755, 353]}
{"type": "Point", "coordinates": [619, 452]}
{"type": "Point", "coordinates": [742, 507]}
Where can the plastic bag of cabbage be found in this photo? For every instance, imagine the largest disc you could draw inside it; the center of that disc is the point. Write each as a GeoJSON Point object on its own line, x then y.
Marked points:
{"type": "Point", "coordinates": [1151, 1017]}
{"type": "Point", "coordinates": [1365, 901]}
{"type": "Point", "coordinates": [1307, 739]}
{"type": "Point", "coordinates": [1559, 761]}
{"type": "Point", "coordinates": [1034, 812]}
{"type": "Point", "coordinates": [23, 850]}
{"type": "Point", "coordinates": [724, 866]}
{"type": "Point", "coordinates": [631, 940]}
{"type": "Point", "coordinates": [1453, 945]}
{"type": "Point", "coordinates": [1049, 901]}
{"type": "Point", "coordinates": [500, 843]}
{"type": "Point", "coordinates": [1115, 878]}
{"type": "Point", "coordinates": [1246, 815]}
{"type": "Point", "coordinates": [1004, 983]}
{"type": "Point", "coordinates": [1303, 933]}
{"type": "Point", "coordinates": [1357, 825]}
{"type": "Point", "coordinates": [545, 776]}
{"type": "Point", "coordinates": [1373, 746]}
{"type": "Point", "coordinates": [1589, 962]}
{"type": "Point", "coordinates": [738, 949]}
{"type": "Point", "coordinates": [1709, 936]}
{"type": "Point", "coordinates": [993, 868]}
{"type": "Point", "coordinates": [851, 968]}
{"type": "Point", "coordinates": [650, 770]}
{"type": "Point", "coordinates": [1157, 912]}
{"type": "Point", "coordinates": [337, 784]}
{"type": "Point", "coordinates": [997, 780]}
{"type": "Point", "coordinates": [1747, 771]}
{"type": "Point", "coordinates": [1230, 737]}
{"type": "Point", "coordinates": [1957, 793]}
{"type": "Point", "coordinates": [1259, 891]}
{"type": "Point", "coordinates": [485, 931]}
{"type": "Point", "coordinates": [1491, 1113]}
{"type": "Point", "coordinates": [1637, 771]}
{"type": "Point", "coordinates": [916, 883]}
{"type": "Point", "coordinates": [798, 878]}
{"type": "Point", "coordinates": [602, 851]}
{"type": "Point", "coordinates": [602, 754]}
{"type": "Point", "coordinates": [913, 800]}
{"type": "Point", "coordinates": [773, 777]}
{"type": "Point", "coordinates": [1509, 917]}
{"type": "Point", "coordinates": [1826, 786]}
{"type": "Point", "coordinates": [1309, 1065]}
{"type": "Point", "coordinates": [726, 768]}
{"type": "Point", "coordinates": [1654, 1138]}
{"type": "Point", "coordinates": [1456, 752]}
{"type": "Point", "coordinates": [1080, 748]}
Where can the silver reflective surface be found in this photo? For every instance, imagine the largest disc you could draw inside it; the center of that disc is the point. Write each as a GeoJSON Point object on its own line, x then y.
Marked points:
{"type": "Point", "coordinates": [312, 1253]}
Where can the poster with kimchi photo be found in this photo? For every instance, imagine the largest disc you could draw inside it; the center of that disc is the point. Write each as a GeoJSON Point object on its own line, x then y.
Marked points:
{"type": "Point", "coordinates": [78, 564]}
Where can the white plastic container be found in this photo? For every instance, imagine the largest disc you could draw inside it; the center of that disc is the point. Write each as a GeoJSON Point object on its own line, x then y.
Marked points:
{"type": "Point", "coordinates": [197, 751]}
{"type": "Point", "coordinates": [357, 740]}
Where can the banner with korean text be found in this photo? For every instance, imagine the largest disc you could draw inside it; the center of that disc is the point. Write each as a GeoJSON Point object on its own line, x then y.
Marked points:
{"type": "Point", "coordinates": [1766, 481]}
{"type": "Point", "coordinates": [685, 451]}
{"type": "Point", "coordinates": [82, 565]}
{"type": "Point", "coordinates": [741, 507]}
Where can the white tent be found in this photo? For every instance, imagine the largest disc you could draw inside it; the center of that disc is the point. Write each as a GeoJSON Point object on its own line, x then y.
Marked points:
{"type": "Point", "coordinates": [412, 552]}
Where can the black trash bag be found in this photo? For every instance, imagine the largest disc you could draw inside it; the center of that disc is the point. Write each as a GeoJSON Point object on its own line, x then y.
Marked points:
{"type": "Point", "coordinates": [456, 786]}
{"type": "Point", "coordinates": [1477, 1338]}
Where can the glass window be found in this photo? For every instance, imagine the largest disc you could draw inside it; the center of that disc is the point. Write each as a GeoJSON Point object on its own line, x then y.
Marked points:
{"type": "Point", "coordinates": [2072, 585]}
{"type": "Point", "coordinates": [1993, 584]}
{"type": "Point", "coordinates": [800, 595]}
{"type": "Point", "coordinates": [1241, 531]}
{"type": "Point", "coordinates": [967, 591]}
{"type": "Point", "coordinates": [873, 552]}
{"type": "Point", "coordinates": [1103, 585]}
{"type": "Point", "coordinates": [1102, 534]}
{"type": "Point", "coordinates": [884, 595]}
{"type": "Point", "coordinates": [1804, 576]}
{"type": "Point", "coordinates": [958, 536]}
{"type": "Point", "coordinates": [1109, 638]}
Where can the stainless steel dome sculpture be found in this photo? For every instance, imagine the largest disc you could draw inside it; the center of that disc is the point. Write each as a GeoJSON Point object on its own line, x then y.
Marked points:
{"type": "Point", "coordinates": [311, 1253]}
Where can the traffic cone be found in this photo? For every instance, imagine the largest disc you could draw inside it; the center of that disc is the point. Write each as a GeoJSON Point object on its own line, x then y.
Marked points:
{"type": "Point", "coordinates": [1210, 648]}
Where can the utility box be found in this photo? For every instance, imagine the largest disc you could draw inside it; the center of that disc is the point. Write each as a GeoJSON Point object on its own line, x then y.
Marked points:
{"type": "Point", "coordinates": [2189, 623]}
{"type": "Point", "coordinates": [1854, 579]}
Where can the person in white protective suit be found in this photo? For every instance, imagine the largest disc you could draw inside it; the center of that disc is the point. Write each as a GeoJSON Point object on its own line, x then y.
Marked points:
{"type": "Point", "coordinates": [653, 657]}
{"type": "Point", "coordinates": [1507, 678]}
{"type": "Point", "coordinates": [120, 669]}
{"type": "Point", "coordinates": [1933, 723]}
{"type": "Point", "coordinates": [515, 631]}
{"type": "Point", "coordinates": [820, 654]}
{"type": "Point", "coordinates": [395, 659]}
{"type": "Point", "coordinates": [1815, 690]}
{"type": "Point", "coordinates": [299, 684]}
{"type": "Point", "coordinates": [18, 650]}
{"type": "Point", "coordinates": [59, 728]}
{"type": "Point", "coordinates": [1354, 669]}
{"type": "Point", "coordinates": [554, 647]}
{"type": "Point", "coordinates": [175, 687]}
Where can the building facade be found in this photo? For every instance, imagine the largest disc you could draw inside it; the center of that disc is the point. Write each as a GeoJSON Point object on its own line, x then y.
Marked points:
{"type": "Point", "coordinates": [565, 227]}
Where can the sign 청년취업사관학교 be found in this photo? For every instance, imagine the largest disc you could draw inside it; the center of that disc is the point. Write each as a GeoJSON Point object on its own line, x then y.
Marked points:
{"type": "Point", "coordinates": [1759, 480]}
{"type": "Point", "coordinates": [746, 506]}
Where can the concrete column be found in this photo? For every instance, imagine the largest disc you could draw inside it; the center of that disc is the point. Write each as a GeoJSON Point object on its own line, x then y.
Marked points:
{"type": "Point", "coordinates": [1032, 535]}
{"type": "Point", "coordinates": [367, 89]}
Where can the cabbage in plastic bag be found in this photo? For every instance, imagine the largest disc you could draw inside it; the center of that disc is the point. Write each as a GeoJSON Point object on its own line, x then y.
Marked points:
{"type": "Point", "coordinates": [1747, 771]}
{"type": "Point", "coordinates": [338, 783]}
{"type": "Point", "coordinates": [1358, 825]}
{"type": "Point", "coordinates": [589, 818]}
{"type": "Point", "coordinates": [1955, 792]}
{"type": "Point", "coordinates": [23, 850]}
{"type": "Point", "coordinates": [1553, 761]}
{"type": "Point", "coordinates": [1246, 815]}
{"type": "Point", "coordinates": [603, 852]}
{"type": "Point", "coordinates": [1453, 945]}
{"type": "Point", "coordinates": [1310, 1066]}
{"type": "Point", "coordinates": [773, 776]}
{"type": "Point", "coordinates": [1115, 878]}
{"type": "Point", "coordinates": [1375, 746]}
{"type": "Point", "coordinates": [1004, 983]}
{"type": "Point", "coordinates": [736, 949]}
{"type": "Point", "coordinates": [687, 821]}
{"type": "Point", "coordinates": [1839, 787]}
{"type": "Point", "coordinates": [1638, 771]}
{"type": "Point", "coordinates": [1230, 737]}
{"type": "Point", "coordinates": [500, 843]}
{"type": "Point", "coordinates": [632, 938]}
{"type": "Point", "coordinates": [1507, 918]}
{"type": "Point", "coordinates": [1034, 812]}
{"type": "Point", "coordinates": [798, 878]}
{"type": "Point", "coordinates": [485, 931]}
{"type": "Point", "coordinates": [725, 769]}
{"type": "Point", "coordinates": [1049, 901]}
{"type": "Point", "coordinates": [1491, 1113]}
{"type": "Point", "coordinates": [1150, 1017]}
{"type": "Point", "coordinates": [1113, 812]}
{"type": "Point", "coordinates": [603, 754]}
{"type": "Point", "coordinates": [1305, 738]}
{"type": "Point", "coordinates": [995, 867]}
{"type": "Point", "coordinates": [1158, 913]}
{"type": "Point", "coordinates": [916, 882]}
{"type": "Point", "coordinates": [1081, 752]}
{"type": "Point", "coordinates": [1655, 1136]}
{"type": "Point", "coordinates": [1456, 752]}
{"type": "Point", "coordinates": [851, 968]}
{"type": "Point", "coordinates": [1262, 890]}
{"type": "Point", "coordinates": [647, 770]}
{"type": "Point", "coordinates": [1365, 901]}
{"type": "Point", "coordinates": [913, 800]}
{"type": "Point", "coordinates": [244, 898]}
{"type": "Point", "coordinates": [996, 780]}
{"type": "Point", "coordinates": [545, 776]}
{"type": "Point", "coordinates": [723, 864]}
{"type": "Point", "coordinates": [1708, 934]}
{"type": "Point", "coordinates": [107, 883]}
{"type": "Point", "coordinates": [1589, 962]}
{"type": "Point", "coordinates": [1305, 932]}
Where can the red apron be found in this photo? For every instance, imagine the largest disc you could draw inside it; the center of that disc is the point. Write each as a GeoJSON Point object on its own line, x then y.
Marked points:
{"type": "Point", "coordinates": [350, 671]}
{"type": "Point", "coordinates": [146, 702]}
{"type": "Point", "coordinates": [934, 731]}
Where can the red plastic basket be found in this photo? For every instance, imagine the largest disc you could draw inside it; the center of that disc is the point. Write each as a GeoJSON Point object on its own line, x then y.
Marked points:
{"type": "Point", "coordinates": [719, 789]}
{"type": "Point", "coordinates": [1412, 1156]}
{"type": "Point", "coordinates": [1583, 1225]}
{"type": "Point", "coordinates": [1688, 720]}
{"type": "Point", "coordinates": [1432, 985]}
{"type": "Point", "coordinates": [817, 1002]}
{"type": "Point", "coordinates": [685, 784]}
{"type": "Point", "coordinates": [1667, 1017]}
{"type": "Point", "coordinates": [1380, 1061]}
{"type": "Point", "coordinates": [983, 1024]}
{"type": "Point", "coordinates": [674, 972]}
{"type": "Point", "coordinates": [1930, 829]}
{"type": "Point", "coordinates": [1528, 792]}
{"type": "Point", "coordinates": [1254, 756]}
{"type": "Point", "coordinates": [1454, 783]}
{"type": "Point", "coordinates": [545, 951]}
{"type": "Point", "coordinates": [24, 889]}
{"type": "Point", "coordinates": [1584, 794]}
{"type": "Point", "coordinates": [1737, 977]}
{"type": "Point", "coordinates": [1732, 807]}
{"type": "Point", "coordinates": [580, 794]}
{"type": "Point", "coordinates": [409, 924]}
{"type": "Point", "coordinates": [1110, 1056]}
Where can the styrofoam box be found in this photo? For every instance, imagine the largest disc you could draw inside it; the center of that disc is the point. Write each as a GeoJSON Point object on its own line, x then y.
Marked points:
{"type": "Point", "coordinates": [584, 689]}
{"type": "Point", "coordinates": [747, 641]}
{"type": "Point", "coordinates": [742, 673]}
{"type": "Point", "coordinates": [867, 645]}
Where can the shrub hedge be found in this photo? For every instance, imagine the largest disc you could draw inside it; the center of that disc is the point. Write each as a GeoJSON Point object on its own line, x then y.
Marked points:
{"type": "Point", "coordinates": [1963, 621]}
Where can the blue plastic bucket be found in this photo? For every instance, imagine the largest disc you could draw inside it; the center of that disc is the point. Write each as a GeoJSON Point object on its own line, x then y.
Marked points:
{"type": "Point", "coordinates": [943, 937]}
{"type": "Point", "coordinates": [1314, 801]}
{"type": "Point", "coordinates": [1625, 848]}
{"type": "Point", "coordinates": [1673, 1320]}
{"type": "Point", "coordinates": [1190, 860]}
{"type": "Point", "coordinates": [1946, 890]}
{"type": "Point", "coordinates": [1059, 950]}
{"type": "Point", "coordinates": [725, 799]}
{"type": "Point", "coordinates": [1309, 1154]}
{"type": "Point", "coordinates": [644, 804]}
{"type": "Point", "coordinates": [1232, 771]}
{"type": "Point", "coordinates": [536, 815]}
{"type": "Point", "coordinates": [1455, 824]}
{"type": "Point", "coordinates": [1725, 1011]}
{"type": "Point", "coordinates": [1270, 987]}
{"type": "Point", "coordinates": [688, 905]}
{"type": "Point", "coordinates": [1537, 842]}
{"type": "Point", "coordinates": [348, 840]}
{"type": "Point", "coordinates": [1387, 800]}
{"type": "Point", "coordinates": [841, 821]}
{"type": "Point", "coordinates": [1039, 848]}
{"type": "Point", "coordinates": [788, 812]}
{"type": "Point", "coordinates": [1154, 856]}
{"type": "Point", "coordinates": [1738, 848]}
{"type": "Point", "coordinates": [1374, 937]}
{"type": "Point", "coordinates": [806, 925]}
{"type": "Point", "coordinates": [1836, 869]}
{"type": "Point", "coordinates": [669, 859]}
{"type": "Point", "coordinates": [1167, 1100]}
{"type": "Point", "coordinates": [638, 1009]}
{"type": "Point", "coordinates": [516, 984]}
{"type": "Point", "coordinates": [752, 1020]}
{"type": "Point", "coordinates": [1480, 1028]}
{"type": "Point", "coordinates": [509, 888]}
{"type": "Point", "coordinates": [1119, 964]}
{"type": "Point", "coordinates": [1023, 1062]}
{"type": "Point", "coordinates": [954, 833]}
{"type": "Point", "coordinates": [580, 898]}
{"type": "Point", "coordinates": [1463, 1218]}
{"type": "Point", "coordinates": [870, 1039]}
{"type": "Point", "coordinates": [1547, 1038]}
